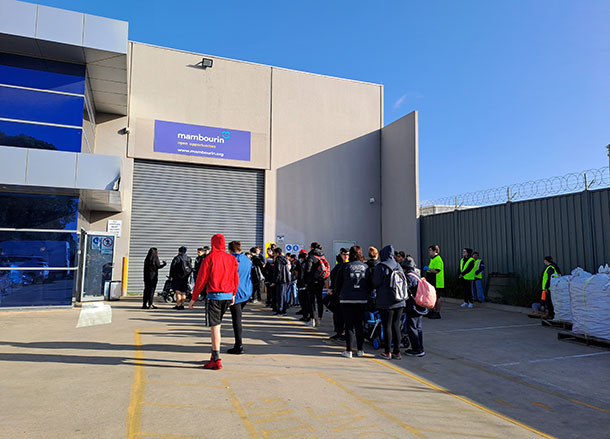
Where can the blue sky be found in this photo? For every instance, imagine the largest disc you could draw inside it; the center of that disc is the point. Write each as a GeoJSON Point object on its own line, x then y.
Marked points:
{"type": "Point", "coordinates": [507, 90]}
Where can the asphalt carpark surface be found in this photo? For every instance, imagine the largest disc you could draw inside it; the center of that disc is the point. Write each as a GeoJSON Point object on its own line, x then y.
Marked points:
{"type": "Point", "coordinates": [488, 373]}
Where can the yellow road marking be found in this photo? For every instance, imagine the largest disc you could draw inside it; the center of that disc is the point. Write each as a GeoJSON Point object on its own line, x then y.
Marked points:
{"type": "Point", "coordinates": [240, 410]}
{"type": "Point", "coordinates": [544, 406]}
{"type": "Point", "coordinates": [373, 406]}
{"type": "Point", "coordinates": [184, 406]}
{"type": "Point", "coordinates": [575, 401]}
{"type": "Point", "coordinates": [134, 412]}
{"type": "Point", "coordinates": [504, 403]}
{"type": "Point", "coordinates": [466, 400]}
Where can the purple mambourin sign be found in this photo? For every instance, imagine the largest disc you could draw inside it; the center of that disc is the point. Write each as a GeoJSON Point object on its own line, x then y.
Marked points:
{"type": "Point", "coordinates": [182, 138]}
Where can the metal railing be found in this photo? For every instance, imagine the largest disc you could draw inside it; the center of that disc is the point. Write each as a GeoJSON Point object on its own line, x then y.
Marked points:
{"type": "Point", "coordinates": [544, 187]}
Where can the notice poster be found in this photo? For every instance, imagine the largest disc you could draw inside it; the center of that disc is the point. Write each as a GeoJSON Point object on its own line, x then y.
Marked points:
{"type": "Point", "coordinates": [202, 141]}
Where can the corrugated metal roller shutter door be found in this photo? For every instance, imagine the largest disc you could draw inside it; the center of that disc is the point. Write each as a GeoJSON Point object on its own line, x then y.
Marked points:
{"type": "Point", "coordinates": [178, 204]}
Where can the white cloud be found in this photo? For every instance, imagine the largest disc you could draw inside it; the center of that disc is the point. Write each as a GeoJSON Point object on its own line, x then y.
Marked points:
{"type": "Point", "coordinates": [401, 100]}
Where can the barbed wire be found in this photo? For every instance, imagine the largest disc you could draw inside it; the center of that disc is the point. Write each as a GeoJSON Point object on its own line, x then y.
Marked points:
{"type": "Point", "coordinates": [544, 187]}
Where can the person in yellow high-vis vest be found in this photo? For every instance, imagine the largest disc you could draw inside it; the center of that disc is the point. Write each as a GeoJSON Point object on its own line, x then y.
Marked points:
{"type": "Point", "coordinates": [467, 276]}
{"type": "Point", "coordinates": [435, 275]}
{"type": "Point", "coordinates": [551, 270]}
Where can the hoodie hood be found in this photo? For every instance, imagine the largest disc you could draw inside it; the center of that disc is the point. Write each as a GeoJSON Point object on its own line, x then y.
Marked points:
{"type": "Point", "coordinates": [387, 256]}
{"type": "Point", "coordinates": [218, 243]}
{"type": "Point", "coordinates": [317, 252]}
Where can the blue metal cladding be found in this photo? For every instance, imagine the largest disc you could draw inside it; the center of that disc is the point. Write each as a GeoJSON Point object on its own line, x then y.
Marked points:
{"type": "Point", "coordinates": [37, 106]}
{"type": "Point", "coordinates": [27, 135]}
{"type": "Point", "coordinates": [43, 74]}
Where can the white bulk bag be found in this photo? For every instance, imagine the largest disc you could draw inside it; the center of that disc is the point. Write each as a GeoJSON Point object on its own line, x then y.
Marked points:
{"type": "Point", "coordinates": [590, 297]}
{"type": "Point", "coordinates": [560, 296]}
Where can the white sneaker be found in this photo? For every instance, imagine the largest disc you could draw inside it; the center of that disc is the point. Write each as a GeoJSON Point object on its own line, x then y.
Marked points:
{"type": "Point", "coordinates": [360, 354]}
{"type": "Point", "coordinates": [470, 305]}
{"type": "Point", "coordinates": [347, 354]}
{"type": "Point", "coordinates": [463, 305]}
{"type": "Point", "coordinates": [312, 323]}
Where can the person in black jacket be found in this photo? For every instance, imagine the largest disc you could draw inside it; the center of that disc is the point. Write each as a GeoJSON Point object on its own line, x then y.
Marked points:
{"type": "Point", "coordinates": [301, 287]}
{"type": "Point", "coordinates": [335, 305]}
{"type": "Point", "coordinates": [258, 278]}
{"type": "Point", "coordinates": [389, 308]}
{"type": "Point", "coordinates": [202, 252]}
{"type": "Point", "coordinates": [281, 280]}
{"type": "Point", "coordinates": [315, 286]}
{"type": "Point", "coordinates": [152, 265]}
{"type": "Point", "coordinates": [352, 287]}
{"type": "Point", "coordinates": [180, 272]}
{"type": "Point", "coordinates": [269, 262]}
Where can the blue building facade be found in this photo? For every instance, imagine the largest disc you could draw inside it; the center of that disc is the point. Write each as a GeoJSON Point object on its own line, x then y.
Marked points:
{"type": "Point", "coordinates": [47, 122]}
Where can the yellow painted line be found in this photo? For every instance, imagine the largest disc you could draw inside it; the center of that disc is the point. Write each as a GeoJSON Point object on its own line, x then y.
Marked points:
{"type": "Point", "coordinates": [169, 436]}
{"type": "Point", "coordinates": [134, 412]}
{"type": "Point", "coordinates": [543, 406]}
{"type": "Point", "coordinates": [504, 403]}
{"type": "Point", "coordinates": [575, 401]}
{"type": "Point", "coordinates": [466, 400]}
{"type": "Point", "coordinates": [252, 433]}
{"type": "Point", "coordinates": [184, 406]}
{"type": "Point", "coordinates": [382, 412]}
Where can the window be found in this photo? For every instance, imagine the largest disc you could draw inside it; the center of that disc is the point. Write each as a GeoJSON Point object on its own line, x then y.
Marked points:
{"type": "Point", "coordinates": [38, 250]}
{"type": "Point", "coordinates": [39, 106]}
{"type": "Point", "coordinates": [27, 135]}
{"type": "Point", "coordinates": [43, 74]}
{"type": "Point", "coordinates": [29, 211]}
{"type": "Point", "coordinates": [36, 288]}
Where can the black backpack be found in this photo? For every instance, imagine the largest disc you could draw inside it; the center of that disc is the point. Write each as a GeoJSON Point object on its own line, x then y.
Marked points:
{"type": "Point", "coordinates": [185, 269]}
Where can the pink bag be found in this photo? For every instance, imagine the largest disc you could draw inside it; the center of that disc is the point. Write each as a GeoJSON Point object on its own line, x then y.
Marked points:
{"type": "Point", "coordinates": [426, 293]}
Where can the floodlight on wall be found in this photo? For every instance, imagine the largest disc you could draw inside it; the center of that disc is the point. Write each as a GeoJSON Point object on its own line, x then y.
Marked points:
{"type": "Point", "coordinates": [206, 62]}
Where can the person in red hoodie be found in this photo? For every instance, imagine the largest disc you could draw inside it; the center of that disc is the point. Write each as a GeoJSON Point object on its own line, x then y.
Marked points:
{"type": "Point", "coordinates": [218, 275]}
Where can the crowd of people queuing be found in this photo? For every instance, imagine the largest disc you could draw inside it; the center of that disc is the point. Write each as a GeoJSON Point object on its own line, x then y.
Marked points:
{"type": "Point", "coordinates": [354, 287]}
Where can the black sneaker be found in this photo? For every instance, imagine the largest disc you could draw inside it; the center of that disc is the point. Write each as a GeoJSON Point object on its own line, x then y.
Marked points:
{"type": "Point", "coordinates": [153, 307]}
{"type": "Point", "coordinates": [412, 353]}
{"type": "Point", "coordinates": [335, 337]}
{"type": "Point", "coordinates": [236, 350]}
{"type": "Point", "coordinates": [180, 307]}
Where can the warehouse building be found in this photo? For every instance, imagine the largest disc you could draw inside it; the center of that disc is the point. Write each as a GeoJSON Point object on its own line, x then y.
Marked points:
{"type": "Point", "coordinates": [109, 147]}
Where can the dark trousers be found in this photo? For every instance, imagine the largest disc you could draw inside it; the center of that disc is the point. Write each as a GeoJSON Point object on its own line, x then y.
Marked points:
{"type": "Point", "coordinates": [338, 318]}
{"type": "Point", "coordinates": [467, 290]}
{"type": "Point", "coordinates": [414, 330]}
{"type": "Point", "coordinates": [257, 291]}
{"type": "Point", "coordinates": [281, 293]}
{"type": "Point", "coordinates": [353, 314]}
{"type": "Point", "coordinates": [314, 290]}
{"type": "Point", "coordinates": [436, 311]}
{"type": "Point", "coordinates": [149, 292]}
{"type": "Point", "coordinates": [303, 299]}
{"type": "Point", "coordinates": [271, 297]}
{"type": "Point", "coordinates": [236, 313]}
{"type": "Point", "coordinates": [548, 305]}
{"type": "Point", "coordinates": [390, 321]}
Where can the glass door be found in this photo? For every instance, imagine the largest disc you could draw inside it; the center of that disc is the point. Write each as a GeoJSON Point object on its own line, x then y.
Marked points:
{"type": "Point", "coordinates": [98, 259]}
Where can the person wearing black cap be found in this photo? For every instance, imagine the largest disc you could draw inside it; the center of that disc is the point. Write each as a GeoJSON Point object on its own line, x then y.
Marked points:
{"type": "Point", "coordinates": [179, 273]}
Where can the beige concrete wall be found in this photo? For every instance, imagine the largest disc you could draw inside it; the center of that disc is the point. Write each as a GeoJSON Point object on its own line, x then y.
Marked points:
{"type": "Point", "coordinates": [325, 160]}
{"type": "Point", "coordinates": [319, 139]}
{"type": "Point", "coordinates": [110, 142]}
{"type": "Point", "coordinates": [400, 184]}
{"type": "Point", "coordinates": [166, 84]}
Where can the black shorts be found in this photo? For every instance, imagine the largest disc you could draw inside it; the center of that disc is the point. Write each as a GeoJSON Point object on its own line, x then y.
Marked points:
{"type": "Point", "coordinates": [181, 285]}
{"type": "Point", "coordinates": [216, 311]}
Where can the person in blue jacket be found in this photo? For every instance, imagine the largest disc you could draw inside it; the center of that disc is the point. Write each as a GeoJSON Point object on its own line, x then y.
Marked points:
{"type": "Point", "coordinates": [243, 294]}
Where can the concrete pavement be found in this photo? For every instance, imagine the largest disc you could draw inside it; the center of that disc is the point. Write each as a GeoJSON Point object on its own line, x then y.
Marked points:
{"type": "Point", "coordinates": [487, 374]}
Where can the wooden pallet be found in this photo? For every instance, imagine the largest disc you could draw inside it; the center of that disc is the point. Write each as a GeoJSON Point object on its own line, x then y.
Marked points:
{"type": "Point", "coordinates": [580, 338]}
{"type": "Point", "coordinates": [557, 324]}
